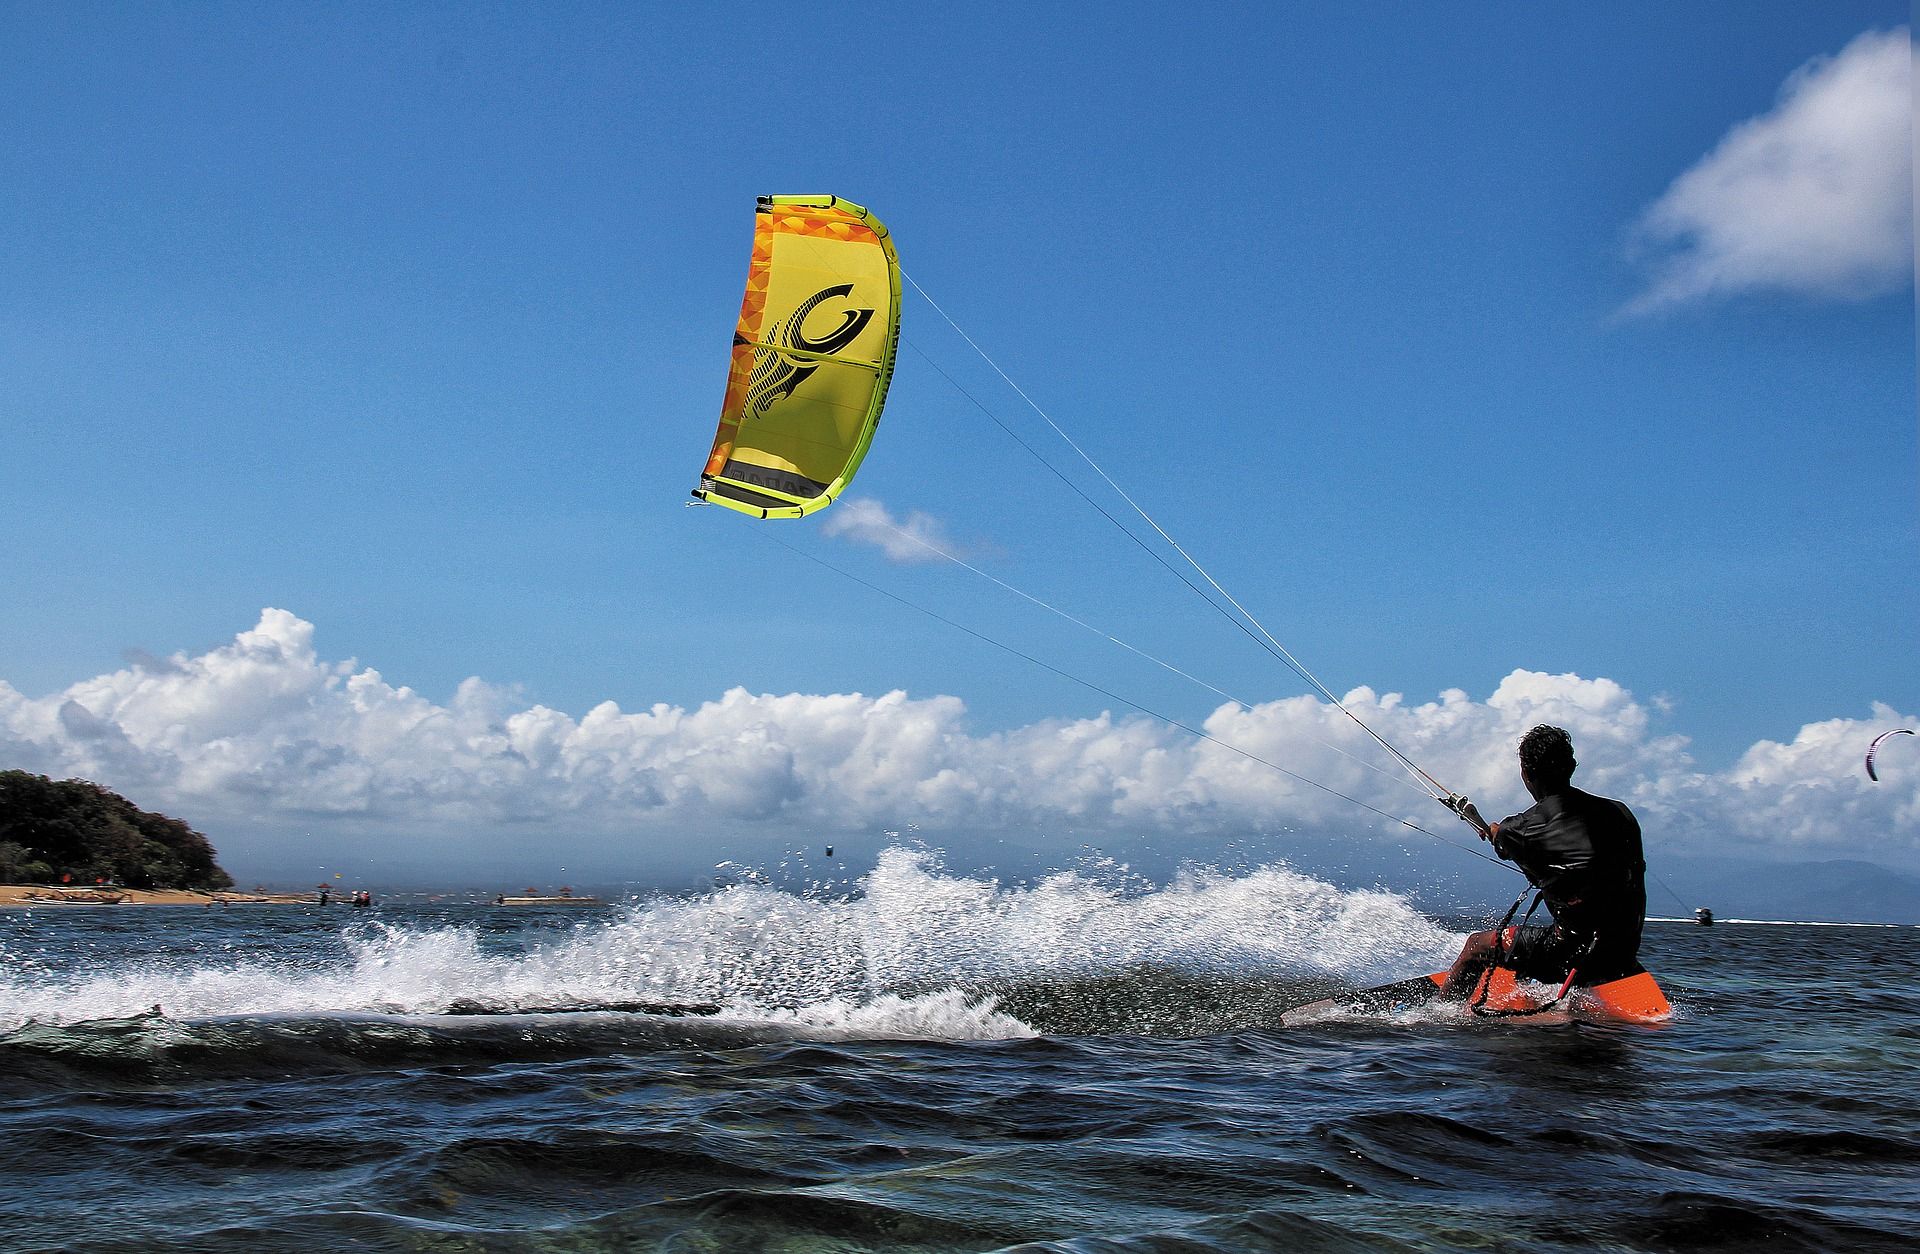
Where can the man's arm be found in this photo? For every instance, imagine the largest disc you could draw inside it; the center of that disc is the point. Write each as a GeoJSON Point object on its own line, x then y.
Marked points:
{"type": "Point", "coordinates": [1504, 836]}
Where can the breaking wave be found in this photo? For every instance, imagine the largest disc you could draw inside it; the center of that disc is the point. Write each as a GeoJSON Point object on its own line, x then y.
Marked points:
{"type": "Point", "coordinates": [915, 951]}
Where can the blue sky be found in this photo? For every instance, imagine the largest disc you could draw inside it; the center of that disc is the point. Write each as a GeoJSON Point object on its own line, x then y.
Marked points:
{"type": "Point", "coordinates": [413, 323]}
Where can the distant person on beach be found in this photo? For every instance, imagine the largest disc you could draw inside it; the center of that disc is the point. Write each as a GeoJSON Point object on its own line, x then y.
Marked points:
{"type": "Point", "coordinates": [1583, 853]}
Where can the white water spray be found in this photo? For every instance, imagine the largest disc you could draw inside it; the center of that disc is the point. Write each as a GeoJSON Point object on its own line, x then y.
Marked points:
{"type": "Point", "coordinates": [918, 952]}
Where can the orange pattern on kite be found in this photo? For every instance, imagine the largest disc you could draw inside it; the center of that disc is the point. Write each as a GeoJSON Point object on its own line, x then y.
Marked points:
{"type": "Point", "coordinates": [807, 222]}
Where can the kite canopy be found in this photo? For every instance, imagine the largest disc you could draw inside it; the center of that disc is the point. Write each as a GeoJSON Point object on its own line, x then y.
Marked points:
{"type": "Point", "coordinates": [1874, 748]}
{"type": "Point", "coordinates": [812, 356]}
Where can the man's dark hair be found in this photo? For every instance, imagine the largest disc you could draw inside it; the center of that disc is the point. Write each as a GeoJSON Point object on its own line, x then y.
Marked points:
{"type": "Point", "coordinates": [1546, 755]}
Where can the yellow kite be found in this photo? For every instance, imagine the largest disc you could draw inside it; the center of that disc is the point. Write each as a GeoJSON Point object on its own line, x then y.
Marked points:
{"type": "Point", "coordinates": [812, 356]}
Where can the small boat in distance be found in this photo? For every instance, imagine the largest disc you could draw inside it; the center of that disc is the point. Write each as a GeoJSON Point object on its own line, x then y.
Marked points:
{"type": "Point", "coordinates": [534, 897]}
{"type": "Point", "coordinates": [75, 897]}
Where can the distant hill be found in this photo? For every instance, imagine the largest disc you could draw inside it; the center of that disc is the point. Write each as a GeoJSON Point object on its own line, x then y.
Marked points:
{"type": "Point", "coordinates": [52, 828]}
{"type": "Point", "coordinates": [1839, 891]}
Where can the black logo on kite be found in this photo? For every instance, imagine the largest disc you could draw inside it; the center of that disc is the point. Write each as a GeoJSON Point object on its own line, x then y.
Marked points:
{"type": "Point", "coordinates": [776, 375]}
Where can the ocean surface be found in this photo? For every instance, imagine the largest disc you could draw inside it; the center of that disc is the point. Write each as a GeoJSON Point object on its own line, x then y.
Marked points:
{"type": "Point", "coordinates": [934, 1063]}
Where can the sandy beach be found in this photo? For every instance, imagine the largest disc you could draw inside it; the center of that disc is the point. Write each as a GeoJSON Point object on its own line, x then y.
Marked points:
{"type": "Point", "coordinates": [30, 895]}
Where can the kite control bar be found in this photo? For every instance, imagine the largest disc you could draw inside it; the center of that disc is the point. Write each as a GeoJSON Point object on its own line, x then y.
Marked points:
{"type": "Point", "coordinates": [1465, 809]}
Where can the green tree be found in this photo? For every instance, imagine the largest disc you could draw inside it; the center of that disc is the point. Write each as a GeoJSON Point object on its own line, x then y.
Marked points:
{"type": "Point", "coordinates": [14, 860]}
{"type": "Point", "coordinates": [76, 827]}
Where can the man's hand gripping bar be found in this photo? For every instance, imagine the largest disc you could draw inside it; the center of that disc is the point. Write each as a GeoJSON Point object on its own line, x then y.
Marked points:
{"type": "Point", "coordinates": [1465, 809]}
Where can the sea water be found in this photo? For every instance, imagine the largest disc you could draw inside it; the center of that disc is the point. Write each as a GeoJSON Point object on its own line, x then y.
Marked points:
{"type": "Point", "coordinates": [930, 1062]}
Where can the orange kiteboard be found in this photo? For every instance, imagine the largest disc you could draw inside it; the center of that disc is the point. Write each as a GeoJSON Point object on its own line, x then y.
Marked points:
{"type": "Point", "coordinates": [1500, 994]}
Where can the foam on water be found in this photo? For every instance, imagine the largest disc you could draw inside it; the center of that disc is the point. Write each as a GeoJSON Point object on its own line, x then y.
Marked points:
{"type": "Point", "coordinates": [916, 952]}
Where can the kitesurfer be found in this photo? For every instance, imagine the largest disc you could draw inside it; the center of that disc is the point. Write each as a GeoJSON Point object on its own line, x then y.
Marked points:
{"type": "Point", "coordinates": [1584, 855]}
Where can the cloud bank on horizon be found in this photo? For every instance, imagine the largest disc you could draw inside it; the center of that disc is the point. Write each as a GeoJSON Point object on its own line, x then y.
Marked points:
{"type": "Point", "coordinates": [1812, 198]}
{"type": "Point", "coordinates": [265, 731]}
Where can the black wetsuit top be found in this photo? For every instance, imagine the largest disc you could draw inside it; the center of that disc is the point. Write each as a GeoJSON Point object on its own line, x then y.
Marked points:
{"type": "Point", "coordinates": [1583, 853]}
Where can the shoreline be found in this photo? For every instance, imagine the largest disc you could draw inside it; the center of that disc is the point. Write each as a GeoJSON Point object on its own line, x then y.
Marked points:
{"type": "Point", "coordinates": [64, 896]}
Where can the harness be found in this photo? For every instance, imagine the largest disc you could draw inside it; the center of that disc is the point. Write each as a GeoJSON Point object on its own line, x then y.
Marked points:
{"type": "Point", "coordinates": [1502, 952]}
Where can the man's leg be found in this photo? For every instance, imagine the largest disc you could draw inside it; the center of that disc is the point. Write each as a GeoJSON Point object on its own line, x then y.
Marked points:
{"type": "Point", "coordinates": [1475, 957]}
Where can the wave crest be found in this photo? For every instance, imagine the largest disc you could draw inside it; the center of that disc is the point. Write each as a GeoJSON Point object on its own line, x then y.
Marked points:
{"type": "Point", "coordinates": [917, 951]}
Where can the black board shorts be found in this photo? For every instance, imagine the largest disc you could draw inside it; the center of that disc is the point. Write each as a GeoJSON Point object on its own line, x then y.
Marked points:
{"type": "Point", "coordinates": [1546, 953]}
{"type": "Point", "coordinates": [1540, 952]}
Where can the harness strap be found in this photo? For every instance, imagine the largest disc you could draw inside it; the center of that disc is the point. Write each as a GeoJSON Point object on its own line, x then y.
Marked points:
{"type": "Point", "coordinates": [1503, 938]}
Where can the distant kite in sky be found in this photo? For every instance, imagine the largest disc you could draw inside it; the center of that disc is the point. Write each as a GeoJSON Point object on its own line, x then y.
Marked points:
{"type": "Point", "coordinates": [1875, 748]}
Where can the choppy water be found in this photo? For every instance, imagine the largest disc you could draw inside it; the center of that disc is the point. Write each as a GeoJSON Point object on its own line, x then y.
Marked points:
{"type": "Point", "coordinates": [937, 1064]}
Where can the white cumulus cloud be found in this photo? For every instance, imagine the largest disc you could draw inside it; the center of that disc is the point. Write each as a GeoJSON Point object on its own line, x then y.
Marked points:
{"type": "Point", "coordinates": [1813, 197]}
{"type": "Point", "coordinates": [265, 731]}
{"type": "Point", "coordinates": [916, 538]}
